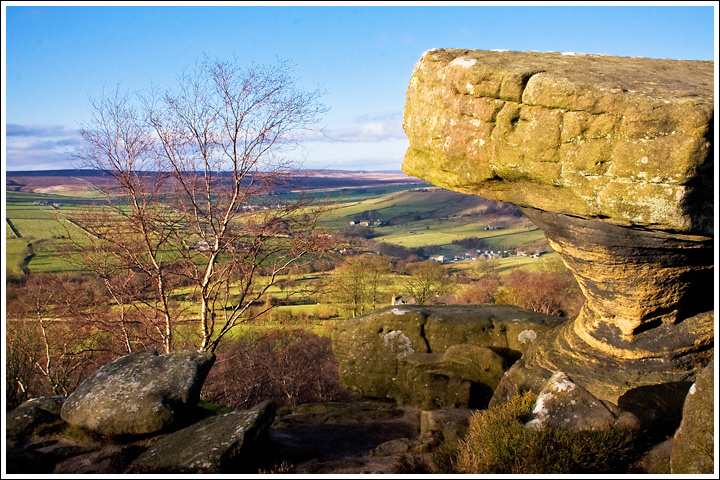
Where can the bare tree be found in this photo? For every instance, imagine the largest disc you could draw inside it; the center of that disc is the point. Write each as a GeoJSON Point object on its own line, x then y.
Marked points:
{"type": "Point", "coordinates": [44, 337]}
{"type": "Point", "coordinates": [427, 279]}
{"type": "Point", "coordinates": [196, 170]}
{"type": "Point", "coordinates": [359, 279]}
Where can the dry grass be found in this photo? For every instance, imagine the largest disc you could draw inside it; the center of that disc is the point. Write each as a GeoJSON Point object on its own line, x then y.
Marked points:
{"type": "Point", "coordinates": [498, 442]}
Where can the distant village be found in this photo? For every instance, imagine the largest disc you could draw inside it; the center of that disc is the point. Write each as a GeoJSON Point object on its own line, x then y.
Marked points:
{"type": "Point", "coordinates": [483, 254]}
{"type": "Point", "coordinates": [45, 203]}
{"type": "Point", "coordinates": [367, 223]}
{"type": "Point", "coordinates": [472, 256]}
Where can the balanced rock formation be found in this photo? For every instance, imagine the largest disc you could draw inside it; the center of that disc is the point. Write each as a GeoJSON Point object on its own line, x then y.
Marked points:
{"type": "Point", "coordinates": [435, 356]}
{"type": "Point", "coordinates": [611, 157]}
{"type": "Point", "coordinates": [139, 393]}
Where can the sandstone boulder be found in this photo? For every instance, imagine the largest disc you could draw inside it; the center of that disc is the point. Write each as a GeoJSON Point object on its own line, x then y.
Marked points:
{"type": "Point", "coordinates": [22, 420]}
{"type": "Point", "coordinates": [593, 136]}
{"type": "Point", "coordinates": [452, 423]}
{"type": "Point", "coordinates": [694, 442]}
{"type": "Point", "coordinates": [611, 158]}
{"type": "Point", "coordinates": [566, 405]}
{"type": "Point", "coordinates": [218, 444]}
{"type": "Point", "coordinates": [463, 376]}
{"type": "Point", "coordinates": [371, 348]}
{"type": "Point", "coordinates": [139, 393]}
{"type": "Point", "coordinates": [656, 460]}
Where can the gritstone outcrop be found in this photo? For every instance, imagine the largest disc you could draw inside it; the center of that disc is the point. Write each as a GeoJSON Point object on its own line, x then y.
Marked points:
{"type": "Point", "coordinates": [612, 158]}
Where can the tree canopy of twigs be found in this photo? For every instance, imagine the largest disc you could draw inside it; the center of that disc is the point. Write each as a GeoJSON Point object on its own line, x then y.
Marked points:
{"type": "Point", "coordinates": [358, 281]}
{"type": "Point", "coordinates": [194, 171]}
{"type": "Point", "coordinates": [427, 279]}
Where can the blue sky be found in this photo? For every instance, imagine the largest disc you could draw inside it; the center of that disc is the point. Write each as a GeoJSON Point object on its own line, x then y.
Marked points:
{"type": "Point", "coordinates": [55, 58]}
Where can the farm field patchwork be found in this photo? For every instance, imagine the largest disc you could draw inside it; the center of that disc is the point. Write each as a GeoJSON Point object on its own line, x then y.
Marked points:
{"type": "Point", "coordinates": [409, 217]}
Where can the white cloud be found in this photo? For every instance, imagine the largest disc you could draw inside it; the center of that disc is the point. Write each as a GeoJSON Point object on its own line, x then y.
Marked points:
{"type": "Point", "coordinates": [367, 128]}
{"type": "Point", "coordinates": [378, 155]}
{"type": "Point", "coordinates": [39, 147]}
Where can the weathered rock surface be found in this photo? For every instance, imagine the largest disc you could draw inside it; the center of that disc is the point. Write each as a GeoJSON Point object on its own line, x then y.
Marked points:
{"type": "Point", "coordinates": [594, 136]}
{"type": "Point", "coordinates": [464, 375]}
{"type": "Point", "coordinates": [656, 460]}
{"type": "Point", "coordinates": [452, 423]}
{"type": "Point", "coordinates": [22, 420]}
{"type": "Point", "coordinates": [220, 444]}
{"type": "Point", "coordinates": [611, 157]}
{"type": "Point", "coordinates": [566, 405]}
{"type": "Point", "coordinates": [139, 393]}
{"type": "Point", "coordinates": [694, 442]}
{"type": "Point", "coordinates": [371, 348]}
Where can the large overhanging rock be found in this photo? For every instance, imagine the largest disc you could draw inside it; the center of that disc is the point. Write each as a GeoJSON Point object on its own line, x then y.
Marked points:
{"type": "Point", "coordinates": [623, 139]}
{"type": "Point", "coordinates": [611, 157]}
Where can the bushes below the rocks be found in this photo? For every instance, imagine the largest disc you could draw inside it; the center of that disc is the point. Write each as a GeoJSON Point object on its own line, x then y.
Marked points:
{"type": "Point", "coordinates": [288, 366]}
{"type": "Point", "coordinates": [498, 442]}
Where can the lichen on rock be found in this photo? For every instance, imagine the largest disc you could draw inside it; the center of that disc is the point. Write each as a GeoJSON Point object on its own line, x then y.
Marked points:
{"type": "Point", "coordinates": [611, 157]}
{"type": "Point", "coordinates": [139, 393]}
{"type": "Point", "coordinates": [588, 135]}
{"type": "Point", "coordinates": [455, 349]}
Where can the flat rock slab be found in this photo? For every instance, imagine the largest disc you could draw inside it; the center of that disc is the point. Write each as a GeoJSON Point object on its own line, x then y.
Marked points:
{"type": "Point", "coordinates": [365, 436]}
{"type": "Point", "coordinates": [219, 444]}
{"type": "Point", "coordinates": [621, 139]}
{"type": "Point", "coordinates": [22, 420]}
{"type": "Point", "coordinates": [139, 393]}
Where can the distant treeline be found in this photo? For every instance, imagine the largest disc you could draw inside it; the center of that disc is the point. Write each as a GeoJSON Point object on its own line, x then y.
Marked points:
{"type": "Point", "coordinates": [57, 173]}
{"type": "Point", "coordinates": [472, 243]}
{"type": "Point", "coordinates": [294, 180]}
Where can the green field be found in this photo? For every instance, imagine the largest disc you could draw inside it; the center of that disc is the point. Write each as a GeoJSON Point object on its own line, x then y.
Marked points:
{"type": "Point", "coordinates": [401, 207]}
{"type": "Point", "coordinates": [349, 195]}
{"type": "Point", "coordinates": [430, 233]}
{"type": "Point", "coordinates": [433, 217]}
{"type": "Point", "coordinates": [64, 198]}
{"type": "Point", "coordinates": [430, 218]}
{"type": "Point", "coordinates": [408, 216]}
{"type": "Point", "coordinates": [40, 226]}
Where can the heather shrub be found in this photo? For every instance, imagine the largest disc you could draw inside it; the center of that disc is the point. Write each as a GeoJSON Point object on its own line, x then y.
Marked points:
{"type": "Point", "coordinates": [498, 442]}
{"type": "Point", "coordinates": [287, 366]}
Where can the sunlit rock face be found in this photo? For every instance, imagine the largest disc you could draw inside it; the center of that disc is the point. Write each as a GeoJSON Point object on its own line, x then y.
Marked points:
{"type": "Point", "coordinates": [612, 158]}
{"type": "Point", "coordinates": [625, 140]}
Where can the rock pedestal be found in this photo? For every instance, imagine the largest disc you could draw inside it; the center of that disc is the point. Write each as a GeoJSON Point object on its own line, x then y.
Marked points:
{"type": "Point", "coordinates": [612, 158]}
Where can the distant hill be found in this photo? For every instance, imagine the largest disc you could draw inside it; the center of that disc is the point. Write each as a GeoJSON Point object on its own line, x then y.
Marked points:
{"type": "Point", "coordinates": [432, 203]}
{"type": "Point", "coordinates": [49, 181]}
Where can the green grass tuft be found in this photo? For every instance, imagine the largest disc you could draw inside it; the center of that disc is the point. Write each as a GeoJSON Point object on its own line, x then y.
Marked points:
{"type": "Point", "coordinates": [498, 442]}
{"type": "Point", "coordinates": [214, 408]}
